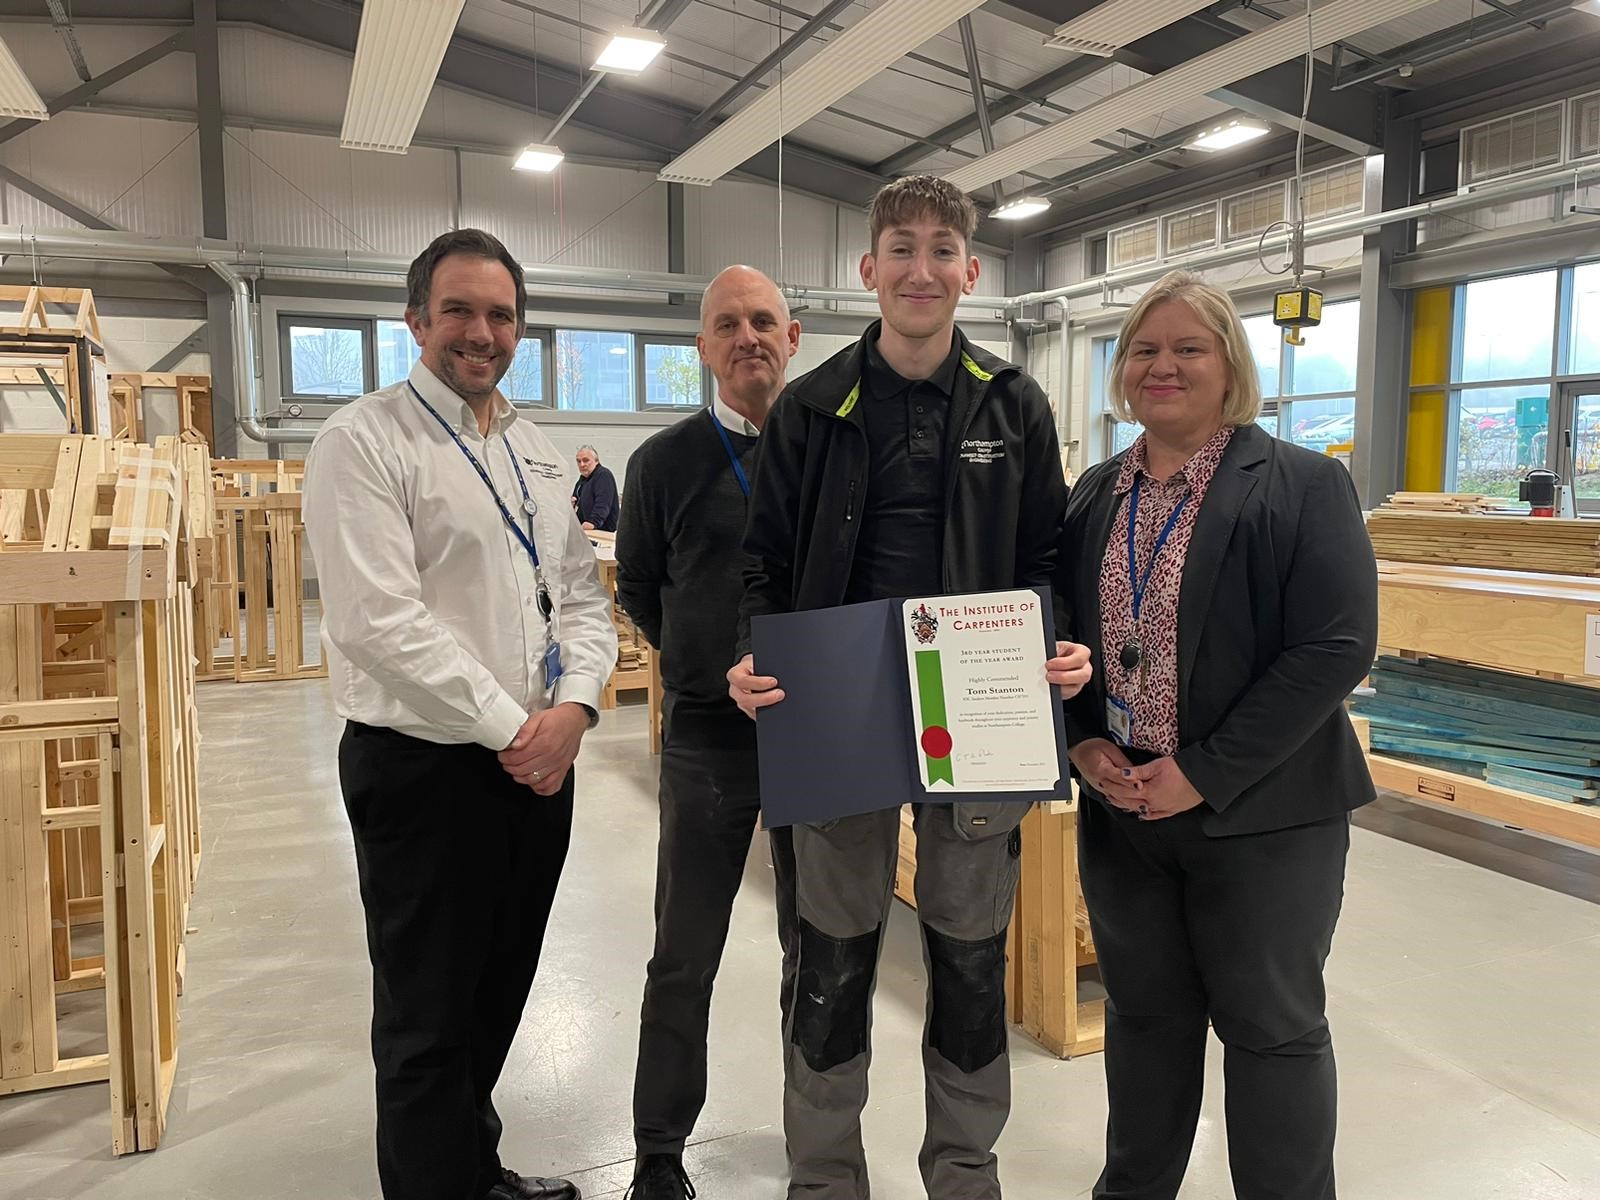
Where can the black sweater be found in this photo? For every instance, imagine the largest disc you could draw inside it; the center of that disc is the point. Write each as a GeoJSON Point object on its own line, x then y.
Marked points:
{"type": "Point", "coordinates": [680, 568]}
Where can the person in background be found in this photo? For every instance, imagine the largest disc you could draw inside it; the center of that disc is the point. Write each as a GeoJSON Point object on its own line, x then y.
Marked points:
{"type": "Point", "coordinates": [468, 639]}
{"type": "Point", "coordinates": [1224, 582]}
{"type": "Point", "coordinates": [911, 463]}
{"type": "Point", "coordinates": [594, 496]}
{"type": "Point", "coordinates": [680, 577]}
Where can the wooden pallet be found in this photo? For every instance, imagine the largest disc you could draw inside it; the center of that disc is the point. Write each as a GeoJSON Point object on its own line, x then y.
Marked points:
{"type": "Point", "coordinates": [98, 747]}
{"type": "Point", "coordinates": [1049, 937]}
{"type": "Point", "coordinates": [1537, 544]}
{"type": "Point", "coordinates": [255, 585]}
{"type": "Point", "coordinates": [191, 397]}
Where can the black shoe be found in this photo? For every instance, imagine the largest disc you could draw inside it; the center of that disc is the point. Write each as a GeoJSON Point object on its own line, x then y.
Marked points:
{"type": "Point", "coordinates": [660, 1177]}
{"type": "Point", "coordinates": [514, 1187]}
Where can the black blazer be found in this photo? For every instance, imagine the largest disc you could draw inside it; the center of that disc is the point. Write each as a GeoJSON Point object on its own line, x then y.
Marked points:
{"type": "Point", "coordinates": [1277, 621]}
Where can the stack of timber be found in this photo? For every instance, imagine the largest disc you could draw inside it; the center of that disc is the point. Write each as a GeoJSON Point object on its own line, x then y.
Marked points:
{"type": "Point", "coordinates": [1547, 544]}
{"type": "Point", "coordinates": [99, 743]}
{"type": "Point", "coordinates": [50, 342]}
{"type": "Point", "coordinates": [256, 596]}
{"type": "Point", "coordinates": [1049, 937]}
{"type": "Point", "coordinates": [638, 665]}
{"type": "Point", "coordinates": [1442, 502]}
{"type": "Point", "coordinates": [1534, 735]}
{"type": "Point", "coordinates": [1534, 631]}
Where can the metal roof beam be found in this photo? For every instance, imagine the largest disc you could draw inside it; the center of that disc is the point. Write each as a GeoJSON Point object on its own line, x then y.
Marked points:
{"type": "Point", "coordinates": [116, 74]}
{"type": "Point", "coordinates": [1351, 119]}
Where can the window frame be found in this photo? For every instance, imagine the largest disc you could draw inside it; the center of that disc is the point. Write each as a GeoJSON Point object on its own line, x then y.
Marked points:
{"type": "Point", "coordinates": [365, 326]}
{"type": "Point", "coordinates": [641, 384]}
{"type": "Point", "coordinates": [546, 337]}
{"type": "Point", "coordinates": [1562, 376]}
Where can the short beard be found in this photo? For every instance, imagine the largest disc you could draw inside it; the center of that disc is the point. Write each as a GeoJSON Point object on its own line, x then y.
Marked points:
{"type": "Point", "coordinates": [449, 377]}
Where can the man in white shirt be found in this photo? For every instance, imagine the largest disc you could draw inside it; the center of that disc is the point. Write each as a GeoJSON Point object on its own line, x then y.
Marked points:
{"type": "Point", "coordinates": [468, 640]}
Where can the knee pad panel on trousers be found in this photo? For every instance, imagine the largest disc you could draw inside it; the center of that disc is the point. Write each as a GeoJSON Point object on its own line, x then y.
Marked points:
{"type": "Point", "coordinates": [833, 995]}
{"type": "Point", "coordinates": [968, 1026]}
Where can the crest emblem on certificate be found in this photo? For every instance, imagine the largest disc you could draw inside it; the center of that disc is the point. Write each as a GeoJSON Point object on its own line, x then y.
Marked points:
{"type": "Point", "coordinates": [924, 624]}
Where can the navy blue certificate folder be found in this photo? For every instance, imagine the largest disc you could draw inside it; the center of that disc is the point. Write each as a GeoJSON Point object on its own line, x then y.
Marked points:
{"type": "Point", "coordinates": [840, 743]}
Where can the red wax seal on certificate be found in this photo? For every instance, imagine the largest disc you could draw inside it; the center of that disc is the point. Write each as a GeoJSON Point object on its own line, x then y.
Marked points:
{"type": "Point", "coordinates": [936, 741]}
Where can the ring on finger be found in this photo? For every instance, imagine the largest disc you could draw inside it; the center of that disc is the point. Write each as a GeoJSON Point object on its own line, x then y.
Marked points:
{"type": "Point", "coordinates": [537, 775]}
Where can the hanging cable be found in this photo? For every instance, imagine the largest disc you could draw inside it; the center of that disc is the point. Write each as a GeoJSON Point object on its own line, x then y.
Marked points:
{"type": "Point", "coordinates": [782, 275]}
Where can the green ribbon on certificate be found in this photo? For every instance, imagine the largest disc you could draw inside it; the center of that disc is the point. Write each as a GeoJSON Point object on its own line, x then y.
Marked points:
{"type": "Point", "coordinates": [936, 740]}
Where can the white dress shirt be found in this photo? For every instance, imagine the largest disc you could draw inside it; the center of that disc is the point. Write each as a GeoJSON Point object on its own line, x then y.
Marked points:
{"type": "Point", "coordinates": [430, 604]}
{"type": "Point", "coordinates": [731, 420]}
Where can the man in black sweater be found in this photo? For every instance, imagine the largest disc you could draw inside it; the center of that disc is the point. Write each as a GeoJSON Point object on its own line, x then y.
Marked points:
{"type": "Point", "coordinates": [680, 576]}
{"type": "Point", "coordinates": [595, 493]}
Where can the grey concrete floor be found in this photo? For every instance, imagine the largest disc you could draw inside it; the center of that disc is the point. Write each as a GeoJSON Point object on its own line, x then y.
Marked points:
{"type": "Point", "coordinates": [1463, 1001]}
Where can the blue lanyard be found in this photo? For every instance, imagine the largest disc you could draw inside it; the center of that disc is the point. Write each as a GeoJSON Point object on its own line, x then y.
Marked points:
{"type": "Point", "coordinates": [1139, 585]}
{"type": "Point", "coordinates": [528, 506]}
{"type": "Point", "coordinates": [727, 444]}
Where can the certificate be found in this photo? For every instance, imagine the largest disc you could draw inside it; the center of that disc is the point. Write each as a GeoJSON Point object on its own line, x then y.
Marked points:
{"type": "Point", "coordinates": [847, 738]}
{"type": "Point", "coordinates": [983, 715]}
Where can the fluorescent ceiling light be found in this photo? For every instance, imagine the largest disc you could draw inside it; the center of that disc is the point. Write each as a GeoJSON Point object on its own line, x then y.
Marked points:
{"type": "Point", "coordinates": [1021, 208]}
{"type": "Point", "coordinates": [1230, 134]}
{"type": "Point", "coordinates": [628, 54]}
{"type": "Point", "coordinates": [537, 157]}
{"type": "Point", "coordinates": [398, 52]}
{"type": "Point", "coordinates": [1111, 25]}
{"type": "Point", "coordinates": [885, 35]}
{"type": "Point", "coordinates": [1182, 84]}
{"type": "Point", "coordinates": [18, 97]}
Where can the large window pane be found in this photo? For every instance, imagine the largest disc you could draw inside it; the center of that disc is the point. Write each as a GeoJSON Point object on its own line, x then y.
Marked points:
{"type": "Point", "coordinates": [1318, 424]}
{"type": "Point", "coordinates": [672, 376]}
{"type": "Point", "coordinates": [1584, 354]}
{"type": "Point", "coordinates": [1500, 434]}
{"type": "Point", "coordinates": [325, 361]}
{"type": "Point", "coordinates": [1265, 340]}
{"type": "Point", "coordinates": [524, 382]}
{"type": "Point", "coordinates": [1508, 328]}
{"type": "Point", "coordinates": [397, 352]}
{"type": "Point", "coordinates": [1586, 448]}
{"type": "Point", "coordinates": [1269, 422]}
{"type": "Point", "coordinates": [1327, 362]}
{"type": "Point", "coordinates": [594, 371]}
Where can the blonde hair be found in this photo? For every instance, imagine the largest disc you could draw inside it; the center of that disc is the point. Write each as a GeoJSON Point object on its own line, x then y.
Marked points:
{"type": "Point", "coordinates": [1242, 404]}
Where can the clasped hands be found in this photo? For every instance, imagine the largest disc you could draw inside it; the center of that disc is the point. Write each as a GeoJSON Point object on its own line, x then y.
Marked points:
{"type": "Point", "coordinates": [545, 747]}
{"type": "Point", "coordinates": [1069, 670]}
{"type": "Point", "coordinates": [1152, 792]}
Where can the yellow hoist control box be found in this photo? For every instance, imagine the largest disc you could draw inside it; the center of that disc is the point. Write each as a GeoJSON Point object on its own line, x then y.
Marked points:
{"type": "Point", "coordinates": [1300, 308]}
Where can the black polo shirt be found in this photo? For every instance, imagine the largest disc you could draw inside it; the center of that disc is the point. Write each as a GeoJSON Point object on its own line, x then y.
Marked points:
{"type": "Point", "coordinates": [900, 548]}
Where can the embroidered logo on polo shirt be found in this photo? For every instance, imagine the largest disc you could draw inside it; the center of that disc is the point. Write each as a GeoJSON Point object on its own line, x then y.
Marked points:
{"type": "Point", "coordinates": [974, 450]}
{"type": "Point", "coordinates": [546, 469]}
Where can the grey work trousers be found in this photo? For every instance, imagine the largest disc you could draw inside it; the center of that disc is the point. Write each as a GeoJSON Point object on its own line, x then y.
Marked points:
{"type": "Point", "coordinates": [967, 857]}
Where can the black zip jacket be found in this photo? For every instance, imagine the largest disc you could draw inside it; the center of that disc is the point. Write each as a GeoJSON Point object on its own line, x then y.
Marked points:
{"type": "Point", "coordinates": [1005, 494]}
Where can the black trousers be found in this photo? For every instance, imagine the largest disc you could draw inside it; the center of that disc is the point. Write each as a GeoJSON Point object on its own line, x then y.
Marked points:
{"type": "Point", "coordinates": [1235, 930]}
{"type": "Point", "coordinates": [458, 866]}
{"type": "Point", "coordinates": [709, 805]}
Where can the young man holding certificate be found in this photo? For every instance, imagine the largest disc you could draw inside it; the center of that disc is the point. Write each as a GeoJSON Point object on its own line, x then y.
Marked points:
{"type": "Point", "coordinates": [913, 464]}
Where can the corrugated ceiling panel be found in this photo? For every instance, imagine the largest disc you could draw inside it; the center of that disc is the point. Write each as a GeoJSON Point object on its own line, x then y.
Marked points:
{"type": "Point", "coordinates": [580, 216]}
{"type": "Point", "coordinates": [38, 48]}
{"type": "Point", "coordinates": [137, 173]}
{"type": "Point", "coordinates": [276, 78]}
{"type": "Point", "coordinates": [733, 222]}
